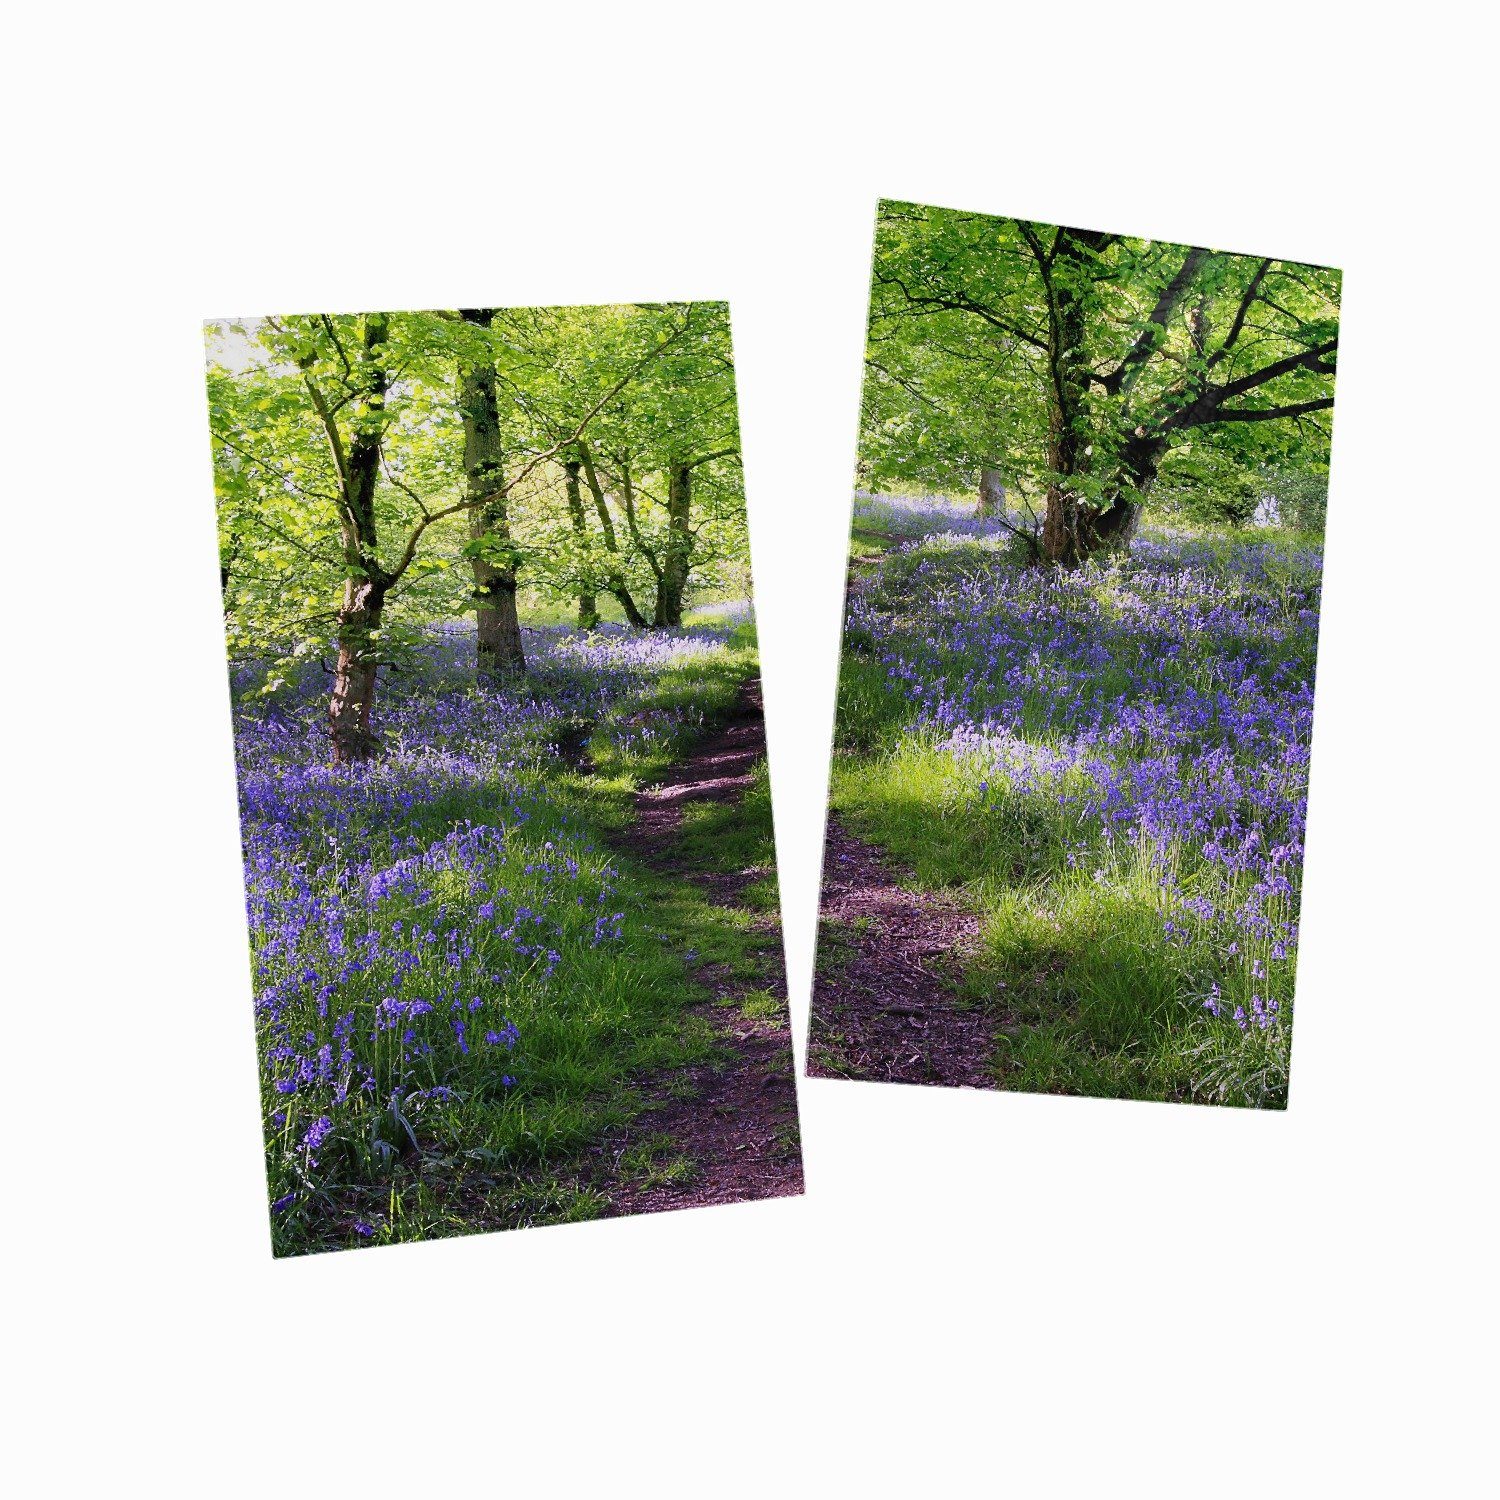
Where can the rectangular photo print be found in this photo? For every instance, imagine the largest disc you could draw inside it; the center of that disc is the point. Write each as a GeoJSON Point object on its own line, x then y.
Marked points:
{"type": "Point", "coordinates": [509, 869]}
{"type": "Point", "coordinates": [1069, 785]}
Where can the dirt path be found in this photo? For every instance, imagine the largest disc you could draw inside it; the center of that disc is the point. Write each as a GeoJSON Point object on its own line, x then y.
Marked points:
{"type": "Point", "coordinates": [881, 1009]}
{"type": "Point", "coordinates": [737, 1129]}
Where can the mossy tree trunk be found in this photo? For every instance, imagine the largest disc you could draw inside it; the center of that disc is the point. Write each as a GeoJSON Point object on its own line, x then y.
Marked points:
{"type": "Point", "coordinates": [588, 602]}
{"type": "Point", "coordinates": [499, 652]}
{"type": "Point", "coordinates": [677, 555]}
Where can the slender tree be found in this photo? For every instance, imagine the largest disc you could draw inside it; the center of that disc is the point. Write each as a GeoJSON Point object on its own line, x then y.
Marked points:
{"type": "Point", "coordinates": [499, 649]}
{"type": "Point", "coordinates": [677, 555]}
{"type": "Point", "coordinates": [615, 577]}
{"type": "Point", "coordinates": [588, 600]}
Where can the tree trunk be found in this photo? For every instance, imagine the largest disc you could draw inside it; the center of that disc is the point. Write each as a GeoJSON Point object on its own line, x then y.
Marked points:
{"type": "Point", "coordinates": [1065, 530]}
{"type": "Point", "coordinates": [677, 555]}
{"type": "Point", "coordinates": [616, 583]}
{"type": "Point", "coordinates": [354, 676]}
{"type": "Point", "coordinates": [588, 604]}
{"type": "Point", "coordinates": [991, 495]}
{"type": "Point", "coordinates": [1115, 526]}
{"type": "Point", "coordinates": [365, 583]}
{"type": "Point", "coordinates": [499, 653]}
{"type": "Point", "coordinates": [627, 504]}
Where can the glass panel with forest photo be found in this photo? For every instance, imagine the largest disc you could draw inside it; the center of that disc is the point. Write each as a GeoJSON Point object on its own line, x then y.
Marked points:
{"type": "Point", "coordinates": [509, 870]}
{"type": "Point", "coordinates": [1069, 786]}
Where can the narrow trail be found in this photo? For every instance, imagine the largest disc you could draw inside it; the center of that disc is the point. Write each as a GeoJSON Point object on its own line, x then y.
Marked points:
{"type": "Point", "coordinates": [738, 1125]}
{"type": "Point", "coordinates": [881, 1008]}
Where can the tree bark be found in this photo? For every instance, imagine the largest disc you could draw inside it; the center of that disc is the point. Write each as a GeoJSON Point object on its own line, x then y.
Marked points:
{"type": "Point", "coordinates": [632, 524]}
{"type": "Point", "coordinates": [677, 554]}
{"type": "Point", "coordinates": [1114, 527]}
{"type": "Point", "coordinates": [349, 726]}
{"type": "Point", "coordinates": [1064, 538]}
{"type": "Point", "coordinates": [499, 653]}
{"type": "Point", "coordinates": [588, 604]}
{"type": "Point", "coordinates": [991, 494]}
{"type": "Point", "coordinates": [1074, 527]}
{"type": "Point", "coordinates": [365, 583]}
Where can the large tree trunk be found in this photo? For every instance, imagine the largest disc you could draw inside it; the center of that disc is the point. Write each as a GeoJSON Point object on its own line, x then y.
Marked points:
{"type": "Point", "coordinates": [991, 494]}
{"type": "Point", "coordinates": [1075, 528]}
{"type": "Point", "coordinates": [1114, 527]}
{"type": "Point", "coordinates": [1065, 528]}
{"type": "Point", "coordinates": [616, 582]}
{"type": "Point", "coordinates": [588, 604]}
{"type": "Point", "coordinates": [354, 676]}
{"type": "Point", "coordinates": [678, 553]}
{"type": "Point", "coordinates": [499, 652]}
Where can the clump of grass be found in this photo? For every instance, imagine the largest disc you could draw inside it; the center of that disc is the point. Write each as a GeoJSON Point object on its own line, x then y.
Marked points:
{"type": "Point", "coordinates": [640, 737]}
{"type": "Point", "coordinates": [656, 1162]}
{"type": "Point", "coordinates": [731, 835]}
{"type": "Point", "coordinates": [762, 1005]}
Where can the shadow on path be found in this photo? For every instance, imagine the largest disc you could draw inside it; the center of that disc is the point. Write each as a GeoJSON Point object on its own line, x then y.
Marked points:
{"type": "Point", "coordinates": [736, 1124]}
{"type": "Point", "coordinates": [882, 1009]}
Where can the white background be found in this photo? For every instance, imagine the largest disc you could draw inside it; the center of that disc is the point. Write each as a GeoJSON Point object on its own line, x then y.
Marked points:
{"type": "Point", "coordinates": [1034, 1295]}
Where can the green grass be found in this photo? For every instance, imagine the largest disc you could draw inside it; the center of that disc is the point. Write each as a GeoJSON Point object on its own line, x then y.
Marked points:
{"type": "Point", "coordinates": [656, 1162]}
{"type": "Point", "coordinates": [595, 1043]}
{"type": "Point", "coordinates": [1073, 957]}
{"type": "Point", "coordinates": [641, 738]}
{"type": "Point", "coordinates": [731, 835]}
{"type": "Point", "coordinates": [917, 802]}
{"type": "Point", "coordinates": [867, 542]}
{"type": "Point", "coordinates": [762, 1005]}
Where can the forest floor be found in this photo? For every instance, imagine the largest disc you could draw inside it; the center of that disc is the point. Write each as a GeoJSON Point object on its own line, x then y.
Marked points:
{"type": "Point", "coordinates": [725, 1130]}
{"type": "Point", "coordinates": [884, 1007]}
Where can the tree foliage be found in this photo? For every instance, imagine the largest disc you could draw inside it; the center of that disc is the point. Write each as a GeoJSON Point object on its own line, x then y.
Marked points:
{"type": "Point", "coordinates": [376, 472]}
{"type": "Point", "coordinates": [1087, 366]}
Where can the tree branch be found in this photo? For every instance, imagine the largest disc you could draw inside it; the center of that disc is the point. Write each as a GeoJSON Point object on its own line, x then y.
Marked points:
{"type": "Point", "coordinates": [1265, 413]}
{"type": "Point", "coordinates": [1241, 313]}
{"type": "Point", "coordinates": [1124, 375]}
{"type": "Point", "coordinates": [330, 426]}
{"type": "Point", "coordinates": [959, 304]}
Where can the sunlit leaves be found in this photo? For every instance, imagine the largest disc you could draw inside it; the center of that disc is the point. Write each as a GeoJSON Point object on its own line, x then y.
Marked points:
{"type": "Point", "coordinates": [966, 350]}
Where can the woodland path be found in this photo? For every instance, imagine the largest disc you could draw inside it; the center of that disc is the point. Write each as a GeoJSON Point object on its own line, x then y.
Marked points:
{"type": "Point", "coordinates": [738, 1125]}
{"type": "Point", "coordinates": [882, 1006]}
